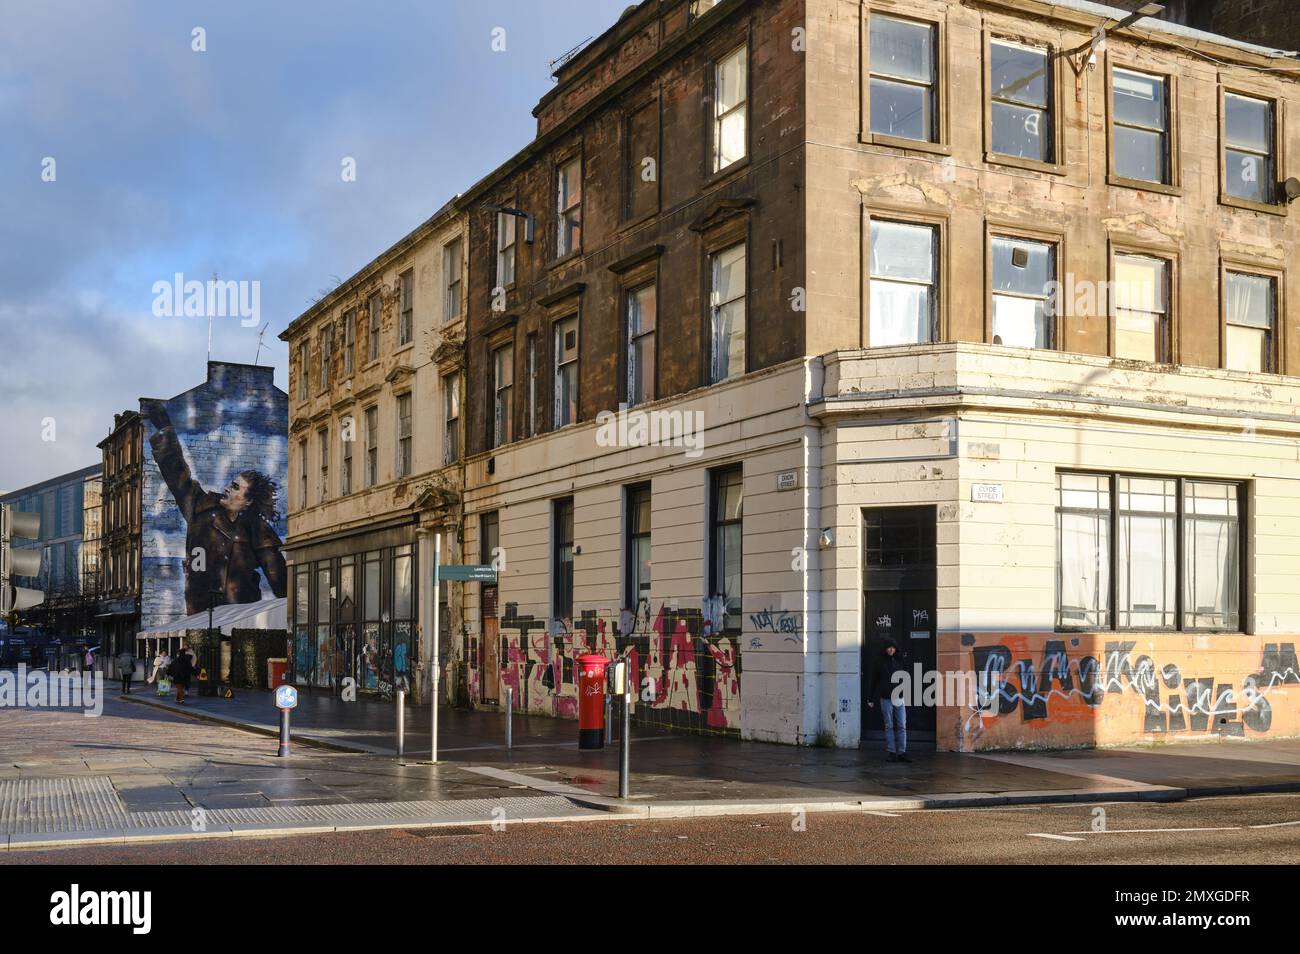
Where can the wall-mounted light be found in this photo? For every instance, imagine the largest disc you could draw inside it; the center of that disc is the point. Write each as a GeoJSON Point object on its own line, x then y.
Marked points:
{"type": "Point", "coordinates": [517, 213]}
{"type": "Point", "coordinates": [827, 537]}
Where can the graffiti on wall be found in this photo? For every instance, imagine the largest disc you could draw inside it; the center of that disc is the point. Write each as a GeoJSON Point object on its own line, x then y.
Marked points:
{"type": "Point", "coordinates": [212, 507]}
{"type": "Point", "coordinates": [1184, 696]}
{"type": "Point", "coordinates": [683, 673]}
{"type": "Point", "coordinates": [778, 622]}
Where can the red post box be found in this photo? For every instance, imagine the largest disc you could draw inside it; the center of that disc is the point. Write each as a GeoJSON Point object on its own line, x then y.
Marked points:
{"type": "Point", "coordinates": [591, 701]}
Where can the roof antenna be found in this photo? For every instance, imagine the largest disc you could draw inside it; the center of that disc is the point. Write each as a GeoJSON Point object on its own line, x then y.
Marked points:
{"type": "Point", "coordinates": [211, 297]}
{"type": "Point", "coordinates": [258, 353]}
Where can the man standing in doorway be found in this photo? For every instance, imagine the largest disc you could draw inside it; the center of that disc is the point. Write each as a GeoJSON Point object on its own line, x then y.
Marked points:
{"type": "Point", "coordinates": [894, 714]}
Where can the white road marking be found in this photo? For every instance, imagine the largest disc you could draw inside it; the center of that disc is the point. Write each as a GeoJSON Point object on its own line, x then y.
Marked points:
{"type": "Point", "coordinates": [885, 814]}
{"type": "Point", "coordinates": [1149, 831]}
{"type": "Point", "coordinates": [1276, 824]}
{"type": "Point", "coordinates": [1040, 834]}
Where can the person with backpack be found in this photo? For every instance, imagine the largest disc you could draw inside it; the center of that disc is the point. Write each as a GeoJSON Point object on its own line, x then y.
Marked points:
{"type": "Point", "coordinates": [894, 714]}
{"type": "Point", "coordinates": [126, 669]}
{"type": "Point", "coordinates": [181, 671]}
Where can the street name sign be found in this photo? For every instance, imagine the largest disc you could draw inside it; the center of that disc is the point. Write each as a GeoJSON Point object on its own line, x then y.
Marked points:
{"type": "Point", "coordinates": [468, 573]}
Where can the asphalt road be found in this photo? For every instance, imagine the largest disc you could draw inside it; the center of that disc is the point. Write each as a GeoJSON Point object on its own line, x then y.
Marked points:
{"type": "Point", "coordinates": [1258, 829]}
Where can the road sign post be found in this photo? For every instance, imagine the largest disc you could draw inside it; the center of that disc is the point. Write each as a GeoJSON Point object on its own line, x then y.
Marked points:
{"type": "Point", "coordinates": [433, 663]}
{"type": "Point", "coordinates": [286, 700]}
{"type": "Point", "coordinates": [466, 573]}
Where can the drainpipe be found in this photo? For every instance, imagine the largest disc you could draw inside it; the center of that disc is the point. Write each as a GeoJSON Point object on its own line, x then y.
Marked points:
{"type": "Point", "coordinates": [814, 721]}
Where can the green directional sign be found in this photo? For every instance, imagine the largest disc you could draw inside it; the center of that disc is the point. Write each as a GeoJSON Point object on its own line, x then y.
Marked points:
{"type": "Point", "coordinates": [469, 573]}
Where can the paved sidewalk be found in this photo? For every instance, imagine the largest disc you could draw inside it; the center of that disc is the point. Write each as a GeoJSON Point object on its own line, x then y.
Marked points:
{"type": "Point", "coordinates": [675, 773]}
{"type": "Point", "coordinates": [137, 773]}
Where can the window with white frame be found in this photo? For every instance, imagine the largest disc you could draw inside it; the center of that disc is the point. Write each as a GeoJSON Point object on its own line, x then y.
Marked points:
{"type": "Point", "coordinates": [727, 314]}
{"type": "Point", "coordinates": [1140, 126]}
{"type": "Point", "coordinates": [1177, 556]}
{"type": "Point", "coordinates": [347, 439]}
{"type": "Point", "coordinates": [326, 356]}
{"type": "Point", "coordinates": [1251, 320]}
{"type": "Point", "coordinates": [505, 250]}
{"type": "Point", "coordinates": [452, 268]}
{"type": "Point", "coordinates": [568, 207]}
{"type": "Point", "coordinates": [903, 78]}
{"type": "Point", "coordinates": [566, 371]}
{"type": "Point", "coordinates": [349, 342]}
{"type": "Point", "coordinates": [503, 380]}
{"type": "Point", "coordinates": [403, 436]}
{"type": "Point", "coordinates": [730, 108]}
{"type": "Point", "coordinates": [904, 292]}
{"type": "Point", "coordinates": [372, 446]}
{"type": "Point", "coordinates": [302, 473]}
{"type": "Point", "coordinates": [1024, 276]}
{"type": "Point", "coordinates": [304, 369]}
{"type": "Point", "coordinates": [1021, 95]}
{"type": "Point", "coordinates": [323, 474]}
{"type": "Point", "coordinates": [530, 384]}
{"type": "Point", "coordinates": [450, 418]}
{"type": "Point", "coordinates": [1248, 125]}
{"type": "Point", "coordinates": [1141, 296]}
{"type": "Point", "coordinates": [376, 308]}
{"type": "Point", "coordinates": [406, 318]}
{"type": "Point", "coordinates": [642, 305]}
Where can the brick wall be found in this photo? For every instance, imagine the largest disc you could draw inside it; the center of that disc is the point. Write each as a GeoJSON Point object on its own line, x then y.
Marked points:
{"type": "Point", "coordinates": [1270, 23]}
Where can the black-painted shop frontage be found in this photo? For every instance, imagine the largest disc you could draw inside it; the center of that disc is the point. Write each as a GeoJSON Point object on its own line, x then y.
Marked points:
{"type": "Point", "coordinates": [353, 610]}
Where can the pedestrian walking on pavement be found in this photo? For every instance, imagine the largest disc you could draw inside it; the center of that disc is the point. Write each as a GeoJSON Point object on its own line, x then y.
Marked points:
{"type": "Point", "coordinates": [161, 662]}
{"type": "Point", "coordinates": [89, 660]}
{"type": "Point", "coordinates": [894, 714]}
{"type": "Point", "coordinates": [126, 669]}
{"type": "Point", "coordinates": [181, 672]}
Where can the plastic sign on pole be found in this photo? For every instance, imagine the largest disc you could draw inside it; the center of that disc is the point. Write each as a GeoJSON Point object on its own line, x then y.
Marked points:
{"type": "Point", "coordinates": [467, 573]}
{"type": "Point", "coordinates": [286, 697]}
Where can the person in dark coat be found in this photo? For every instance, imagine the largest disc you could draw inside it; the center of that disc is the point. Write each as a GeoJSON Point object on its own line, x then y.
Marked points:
{"type": "Point", "coordinates": [126, 670]}
{"type": "Point", "coordinates": [181, 671]}
{"type": "Point", "coordinates": [894, 714]}
{"type": "Point", "coordinates": [233, 529]}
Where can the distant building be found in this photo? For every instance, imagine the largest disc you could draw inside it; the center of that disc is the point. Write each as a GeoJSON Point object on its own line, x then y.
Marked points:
{"type": "Point", "coordinates": [193, 503]}
{"type": "Point", "coordinates": [119, 608]}
{"type": "Point", "coordinates": [377, 372]}
{"type": "Point", "coordinates": [61, 503]}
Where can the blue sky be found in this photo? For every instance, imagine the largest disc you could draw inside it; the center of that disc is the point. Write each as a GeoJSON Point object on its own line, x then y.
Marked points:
{"type": "Point", "coordinates": [169, 160]}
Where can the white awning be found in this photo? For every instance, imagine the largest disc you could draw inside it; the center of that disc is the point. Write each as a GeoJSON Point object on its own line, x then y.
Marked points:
{"type": "Point", "coordinates": [264, 614]}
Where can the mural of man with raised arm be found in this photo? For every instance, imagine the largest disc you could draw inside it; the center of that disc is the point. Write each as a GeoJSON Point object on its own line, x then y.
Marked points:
{"type": "Point", "coordinates": [233, 529]}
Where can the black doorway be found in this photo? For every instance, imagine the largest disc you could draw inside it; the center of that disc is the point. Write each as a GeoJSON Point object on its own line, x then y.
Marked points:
{"type": "Point", "coordinates": [899, 602]}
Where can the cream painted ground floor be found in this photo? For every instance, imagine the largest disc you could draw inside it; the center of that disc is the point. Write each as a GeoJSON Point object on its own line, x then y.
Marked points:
{"type": "Point", "coordinates": [1082, 551]}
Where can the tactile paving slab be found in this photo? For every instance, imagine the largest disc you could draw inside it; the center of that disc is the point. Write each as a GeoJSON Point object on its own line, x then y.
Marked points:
{"type": "Point", "coordinates": [30, 806]}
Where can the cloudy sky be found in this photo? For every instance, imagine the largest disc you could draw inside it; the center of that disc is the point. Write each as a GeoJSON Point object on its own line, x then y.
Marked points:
{"type": "Point", "coordinates": [227, 161]}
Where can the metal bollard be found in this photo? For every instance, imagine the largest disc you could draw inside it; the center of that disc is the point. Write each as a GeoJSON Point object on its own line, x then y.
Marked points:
{"type": "Point", "coordinates": [625, 743]}
{"type": "Point", "coordinates": [609, 721]}
{"type": "Point", "coordinates": [510, 717]}
{"type": "Point", "coordinates": [284, 734]}
{"type": "Point", "coordinates": [401, 722]}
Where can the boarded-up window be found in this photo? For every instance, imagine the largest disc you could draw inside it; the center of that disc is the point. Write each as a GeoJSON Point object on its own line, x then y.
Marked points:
{"type": "Point", "coordinates": [643, 162]}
